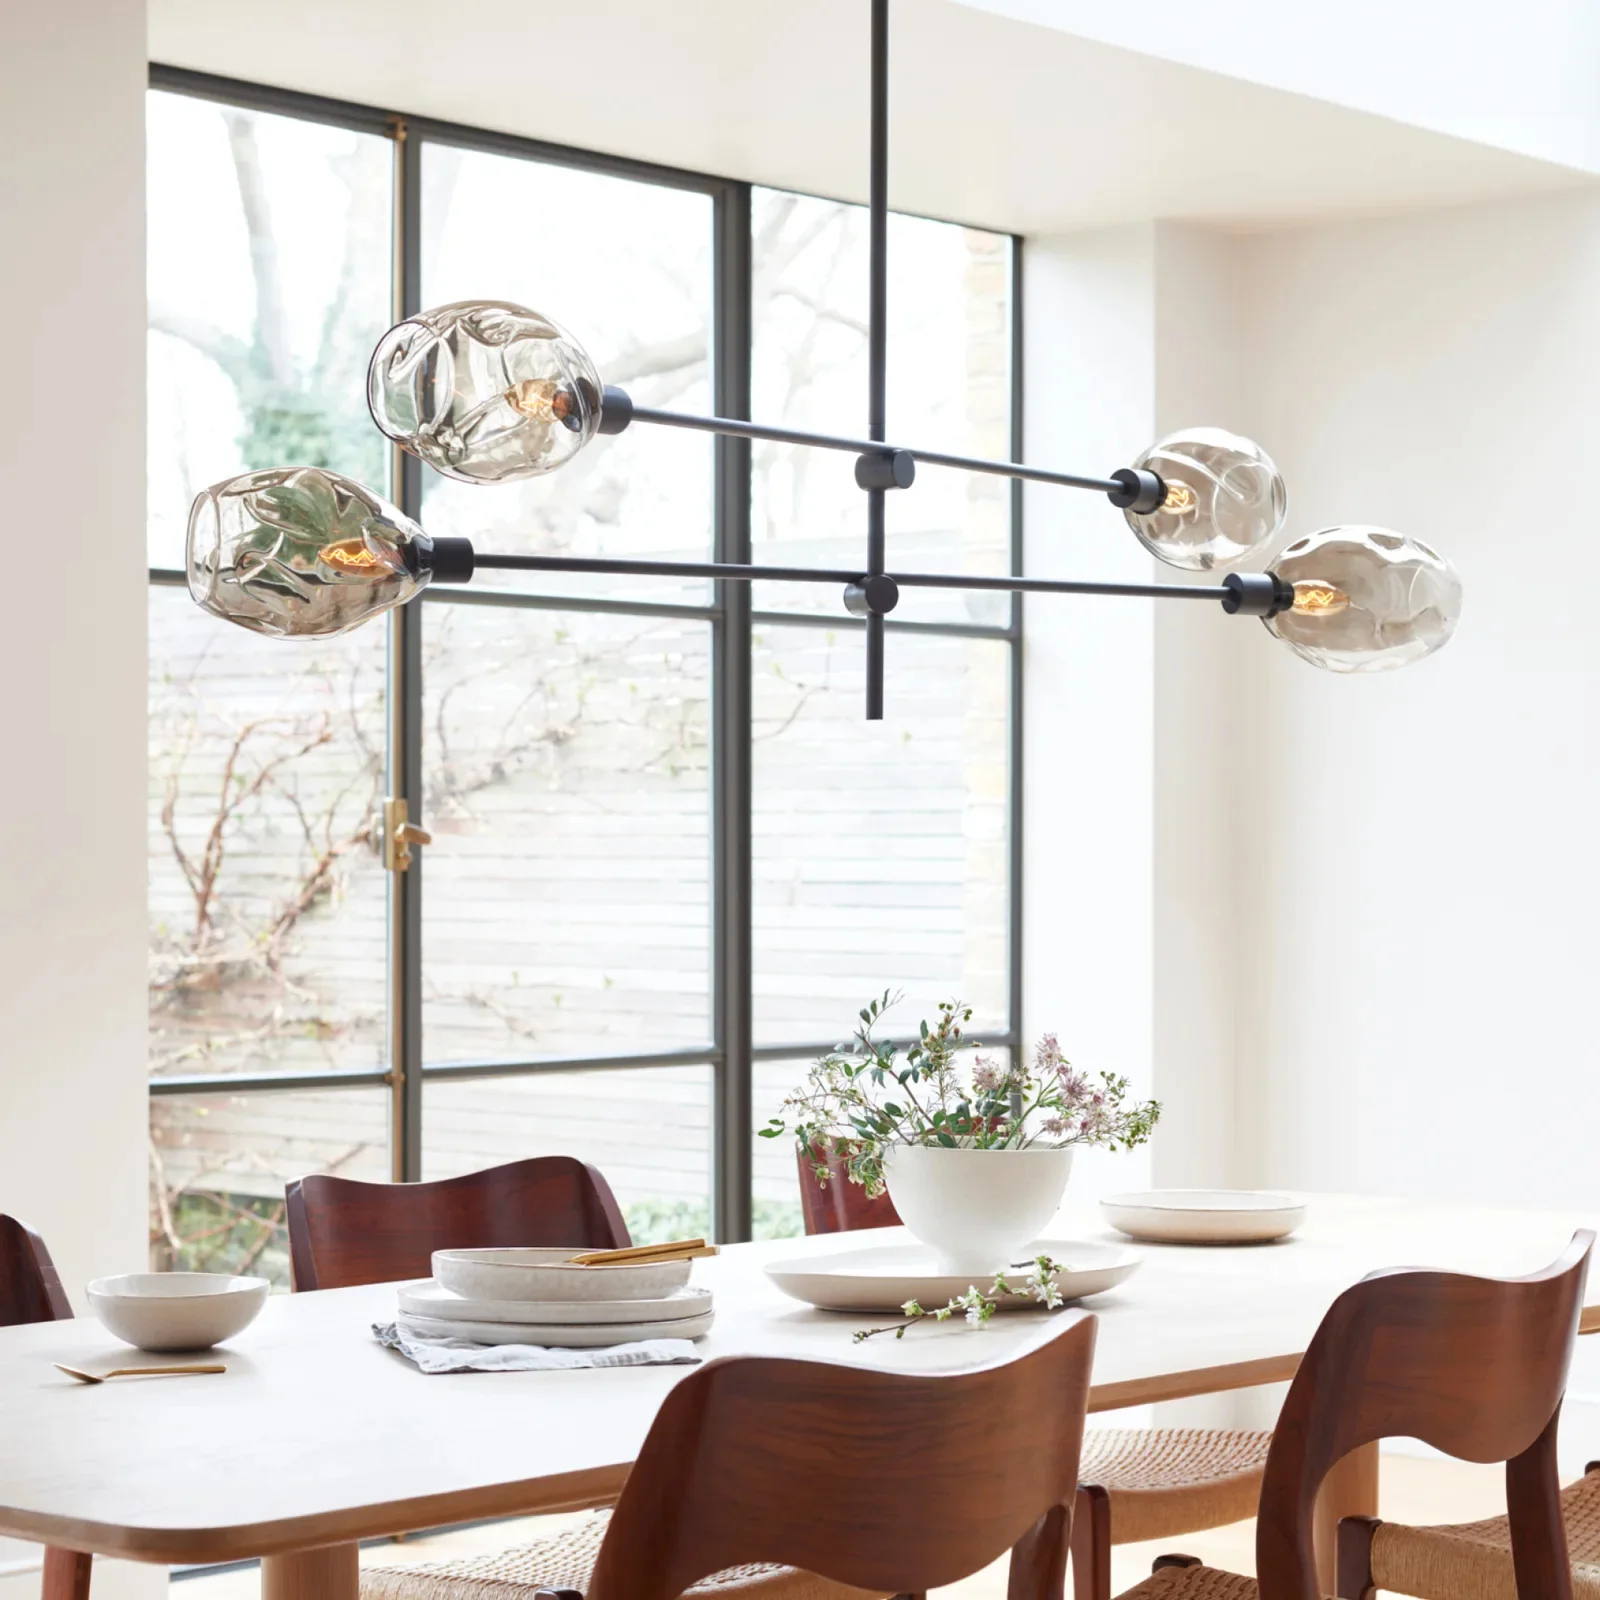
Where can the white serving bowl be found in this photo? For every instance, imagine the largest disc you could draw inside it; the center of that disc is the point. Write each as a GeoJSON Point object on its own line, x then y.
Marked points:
{"type": "Point", "coordinates": [547, 1274]}
{"type": "Point", "coordinates": [978, 1210]}
{"type": "Point", "coordinates": [1204, 1216]}
{"type": "Point", "coordinates": [177, 1310]}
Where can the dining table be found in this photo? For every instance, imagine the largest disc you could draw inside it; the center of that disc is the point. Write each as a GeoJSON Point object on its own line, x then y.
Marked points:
{"type": "Point", "coordinates": [317, 1437]}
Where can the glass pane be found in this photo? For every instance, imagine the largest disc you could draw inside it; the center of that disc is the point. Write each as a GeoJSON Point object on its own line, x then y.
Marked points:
{"type": "Point", "coordinates": [625, 268]}
{"type": "Point", "coordinates": [776, 1173]}
{"type": "Point", "coordinates": [269, 282]}
{"type": "Point", "coordinates": [267, 898]}
{"type": "Point", "coordinates": [567, 908]}
{"type": "Point", "coordinates": [949, 389]}
{"type": "Point", "coordinates": [880, 849]}
{"type": "Point", "coordinates": [648, 1130]}
{"type": "Point", "coordinates": [219, 1163]}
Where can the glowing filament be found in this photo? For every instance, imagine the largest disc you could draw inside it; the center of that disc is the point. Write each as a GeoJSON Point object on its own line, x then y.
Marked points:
{"type": "Point", "coordinates": [357, 559]}
{"type": "Point", "coordinates": [540, 399]}
{"type": "Point", "coordinates": [1313, 598]}
{"type": "Point", "coordinates": [1180, 498]}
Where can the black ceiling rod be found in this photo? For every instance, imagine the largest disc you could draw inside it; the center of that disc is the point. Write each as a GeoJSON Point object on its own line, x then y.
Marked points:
{"type": "Point", "coordinates": [877, 353]}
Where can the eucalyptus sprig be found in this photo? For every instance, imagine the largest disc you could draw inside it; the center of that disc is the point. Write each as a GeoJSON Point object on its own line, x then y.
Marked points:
{"type": "Point", "coordinates": [978, 1307]}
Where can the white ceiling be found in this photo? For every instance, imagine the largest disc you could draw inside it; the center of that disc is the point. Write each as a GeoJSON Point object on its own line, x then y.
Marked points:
{"type": "Point", "coordinates": [996, 121]}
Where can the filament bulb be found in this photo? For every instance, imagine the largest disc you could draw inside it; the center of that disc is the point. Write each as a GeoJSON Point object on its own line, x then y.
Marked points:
{"type": "Point", "coordinates": [357, 559]}
{"type": "Point", "coordinates": [1314, 598]}
{"type": "Point", "coordinates": [1180, 498]}
{"type": "Point", "coordinates": [544, 401]}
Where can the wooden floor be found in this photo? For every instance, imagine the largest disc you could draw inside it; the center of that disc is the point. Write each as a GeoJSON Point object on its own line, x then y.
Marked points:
{"type": "Point", "coordinates": [1414, 1490]}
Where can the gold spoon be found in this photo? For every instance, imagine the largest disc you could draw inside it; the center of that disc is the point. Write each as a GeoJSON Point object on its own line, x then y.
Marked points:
{"type": "Point", "coordinates": [131, 1372]}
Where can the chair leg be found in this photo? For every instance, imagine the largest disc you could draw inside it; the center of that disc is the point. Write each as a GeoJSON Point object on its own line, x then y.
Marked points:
{"type": "Point", "coordinates": [66, 1574]}
{"type": "Point", "coordinates": [1091, 1543]}
{"type": "Point", "coordinates": [1353, 1567]}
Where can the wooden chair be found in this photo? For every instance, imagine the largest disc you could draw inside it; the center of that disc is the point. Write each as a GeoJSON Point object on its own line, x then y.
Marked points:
{"type": "Point", "coordinates": [30, 1291]}
{"type": "Point", "coordinates": [1138, 1483]}
{"type": "Point", "coordinates": [1476, 1367]}
{"type": "Point", "coordinates": [768, 1479]}
{"type": "Point", "coordinates": [344, 1232]}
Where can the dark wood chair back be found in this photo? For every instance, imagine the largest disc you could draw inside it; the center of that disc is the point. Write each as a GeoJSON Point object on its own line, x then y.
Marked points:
{"type": "Point", "coordinates": [30, 1287]}
{"type": "Point", "coordinates": [1475, 1367]}
{"type": "Point", "coordinates": [343, 1232]}
{"type": "Point", "coordinates": [889, 1481]}
{"type": "Point", "coordinates": [837, 1205]}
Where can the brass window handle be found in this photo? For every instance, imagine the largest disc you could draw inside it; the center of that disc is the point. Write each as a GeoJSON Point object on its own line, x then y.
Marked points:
{"type": "Point", "coordinates": [398, 834]}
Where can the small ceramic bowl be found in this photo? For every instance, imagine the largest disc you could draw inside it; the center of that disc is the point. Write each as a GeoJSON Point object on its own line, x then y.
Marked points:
{"type": "Point", "coordinates": [548, 1275]}
{"type": "Point", "coordinates": [176, 1310]}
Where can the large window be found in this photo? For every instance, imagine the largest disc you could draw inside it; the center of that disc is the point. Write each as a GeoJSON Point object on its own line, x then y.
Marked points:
{"type": "Point", "coordinates": [670, 859]}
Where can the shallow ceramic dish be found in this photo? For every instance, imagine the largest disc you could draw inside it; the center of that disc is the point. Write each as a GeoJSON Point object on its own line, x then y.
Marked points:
{"type": "Point", "coordinates": [557, 1335]}
{"type": "Point", "coordinates": [176, 1310]}
{"type": "Point", "coordinates": [425, 1298]}
{"type": "Point", "coordinates": [1204, 1216]}
{"type": "Point", "coordinates": [549, 1275]}
{"type": "Point", "coordinates": [884, 1277]}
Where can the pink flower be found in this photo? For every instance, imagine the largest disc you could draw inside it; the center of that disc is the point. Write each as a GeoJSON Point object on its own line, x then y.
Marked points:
{"type": "Point", "coordinates": [987, 1076]}
{"type": "Point", "coordinates": [1055, 1126]}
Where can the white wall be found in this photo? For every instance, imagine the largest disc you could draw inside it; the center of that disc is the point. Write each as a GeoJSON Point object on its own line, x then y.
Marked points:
{"type": "Point", "coordinates": [72, 1103]}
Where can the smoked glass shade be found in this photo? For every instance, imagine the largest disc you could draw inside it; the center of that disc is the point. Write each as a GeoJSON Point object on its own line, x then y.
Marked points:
{"type": "Point", "coordinates": [301, 553]}
{"type": "Point", "coordinates": [1366, 599]}
{"type": "Point", "coordinates": [484, 391]}
{"type": "Point", "coordinates": [1225, 499]}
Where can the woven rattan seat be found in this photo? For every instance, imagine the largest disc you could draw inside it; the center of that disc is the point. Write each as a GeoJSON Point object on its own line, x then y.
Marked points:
{"type": "Point", "coordinates": [1192, 1583]}
{"type": "Point", "coordinates": [1472, 1560]}
{"type": "Point", "coordinates": [1169, 1481]}
{"type": "Point", "coordinates": [564, 1561]}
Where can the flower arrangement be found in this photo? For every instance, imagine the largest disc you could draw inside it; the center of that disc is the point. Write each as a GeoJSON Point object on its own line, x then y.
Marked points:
{"type": "Point", "coordinates": [858, 1101]}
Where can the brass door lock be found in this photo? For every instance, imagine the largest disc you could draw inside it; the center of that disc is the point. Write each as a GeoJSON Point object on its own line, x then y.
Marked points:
{"type": "Point", "coordinates": [399, 834]}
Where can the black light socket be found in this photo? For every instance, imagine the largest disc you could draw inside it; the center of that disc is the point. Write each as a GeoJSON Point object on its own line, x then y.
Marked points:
{"type": "Point", "coordinates": [1141, 492]}
{"type": "Point", "coordinates": [448, 559]}
{"type": "Point", "coordinates": [873, 596]}
{"type": "Point", "coordinates": [1256, 594]}
{"type": "Point", "coordinates": [888, 469]}
{"type": "Point", "coordinates": [616, 410]}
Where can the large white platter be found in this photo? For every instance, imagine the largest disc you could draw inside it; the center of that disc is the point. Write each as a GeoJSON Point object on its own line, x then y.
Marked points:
{"type": "Point", "coordinates": [549, 1275]}
{"type": "Point", "coordinates": [884, 1277]}
{"type": "Point", "coordinates": [428, 1298]}
{"type": "Point", "coordinates": [1203, 1216]}
{"type": "Point", "coordinates": [561, 1335]}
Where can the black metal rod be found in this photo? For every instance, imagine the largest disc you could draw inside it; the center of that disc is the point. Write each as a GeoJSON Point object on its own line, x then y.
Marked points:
{"type": "Point", "coordinates": [736, 429]}
{"type": "Point", "coordinates": [738, 572]}
{"type": "Point", "coordinates": [877, 330]}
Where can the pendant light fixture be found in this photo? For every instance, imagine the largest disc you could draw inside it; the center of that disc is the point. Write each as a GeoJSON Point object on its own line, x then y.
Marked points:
{"type": "Point", "coordinates": [486, 391]}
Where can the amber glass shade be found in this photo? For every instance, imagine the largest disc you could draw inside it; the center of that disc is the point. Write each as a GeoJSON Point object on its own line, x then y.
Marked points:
{"type": "Point", "coordinates": [1366, 599]}
{"type": "Point", "coordinates": [484, 391]}
{"type": "Point", "coordinates": [301, 553]}
{"type": "Point", "coordinates": [1225, 499]}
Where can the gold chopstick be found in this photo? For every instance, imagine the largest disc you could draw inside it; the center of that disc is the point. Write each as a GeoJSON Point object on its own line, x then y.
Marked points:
{"type": "Point", "coordinates": [644, 1254]}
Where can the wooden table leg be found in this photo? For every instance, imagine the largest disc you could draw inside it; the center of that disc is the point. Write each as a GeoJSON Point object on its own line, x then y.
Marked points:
{"type": "Point", "coordinates": [1350, 1490]}
{"type": "Point", "coordinates": [330, 1573]}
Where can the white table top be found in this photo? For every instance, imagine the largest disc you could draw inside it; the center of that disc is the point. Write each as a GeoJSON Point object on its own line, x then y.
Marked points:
{"type": "Point", "coordinates": [317, 1435]}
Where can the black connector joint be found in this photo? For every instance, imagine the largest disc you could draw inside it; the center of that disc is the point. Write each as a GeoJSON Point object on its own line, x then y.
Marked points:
{"type": "Point", "coordinates": [1141, 491]}
{"type": "Point", "coordinates": [874, 596]}
{"type": "Point", "coordinates": [887, 469]}
{"type": "Point", "coordinates": [1256, 594]}
{"type": "Point", "coordinates": [447, 559]}
{"type": "Point", "coordinates": [616, 410]}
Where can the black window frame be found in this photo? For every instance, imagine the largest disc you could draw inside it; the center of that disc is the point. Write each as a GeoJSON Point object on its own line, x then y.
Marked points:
{"type": "Point", "coordinates": [731, 1052]}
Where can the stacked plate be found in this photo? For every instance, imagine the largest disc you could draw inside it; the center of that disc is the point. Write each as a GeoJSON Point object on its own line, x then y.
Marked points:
{"type": "Point", "coordinates": [540, 1297]}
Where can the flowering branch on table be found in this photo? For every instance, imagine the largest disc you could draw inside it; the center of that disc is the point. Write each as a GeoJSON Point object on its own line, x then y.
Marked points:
{"type": "Point", "coordinates": [978, 1307]}
{"type": "Point", "coordinates": [859, 1100]}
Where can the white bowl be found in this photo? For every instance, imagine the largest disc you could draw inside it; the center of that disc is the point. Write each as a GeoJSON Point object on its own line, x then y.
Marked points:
{"type": "Point", "coordinates": [177, 1310]}
{"type": "Point", "coordinates": [547, 1274]}
{"type": "Point", "coordinates": [976, 1209]}
{"type": "Point", "coordinates": [1204, 1216]}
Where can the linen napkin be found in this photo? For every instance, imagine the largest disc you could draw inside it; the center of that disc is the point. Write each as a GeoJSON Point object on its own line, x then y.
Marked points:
{"type": "Point", "coordinates": [462, 1355]}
